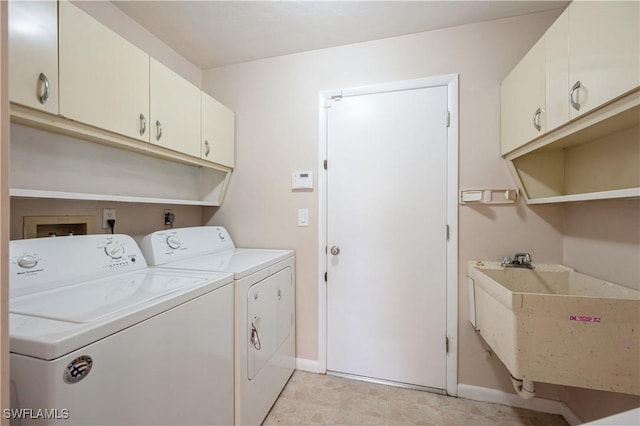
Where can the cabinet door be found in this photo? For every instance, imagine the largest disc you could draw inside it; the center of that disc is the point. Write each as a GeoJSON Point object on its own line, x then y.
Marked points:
{"type": "Point", "coordinates": [104, 79]}
{"type": "Point", "coordinates": [217, 132]}
{"type": "Point", "coordinates": [522, 100]}
{"type": "Point", "coordinates": [557, 72]}
{"type": "Point", "coordinates": [175, 111]}
{"type": "Point", "coordinates": [603, 52]}
{"type": "Point", "coordinates": [33, 54]}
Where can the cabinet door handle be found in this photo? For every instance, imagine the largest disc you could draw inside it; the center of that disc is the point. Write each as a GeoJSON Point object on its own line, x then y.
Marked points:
{"type": "Point", "coordinates": [207, 148]}
{"type": "Point", "coordinates": [45, 95]}
{"type": "Point", "coordinates": [536, 119]}
{"type": "Point", "coordinates": [143, 124]}
{"type": "Point", "coordinates": [574, 104]}
{"type": "Point", "coordinates": [158, 130]}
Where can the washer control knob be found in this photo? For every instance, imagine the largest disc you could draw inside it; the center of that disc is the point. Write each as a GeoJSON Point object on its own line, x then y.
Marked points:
{"type": "Point", "coordinates": [27, 261]}
{"type": "Point", "coordinates": [173, 241]}
{"type": "Point", "coordinates": [114, 250]}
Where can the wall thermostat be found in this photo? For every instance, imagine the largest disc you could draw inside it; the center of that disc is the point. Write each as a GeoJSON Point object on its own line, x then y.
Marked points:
{"type": "Point", "coordinates": [302, 180]}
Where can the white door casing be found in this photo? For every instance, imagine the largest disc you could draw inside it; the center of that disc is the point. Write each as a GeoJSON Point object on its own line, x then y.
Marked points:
{"type": "Point", "coordinates": [401, 170]}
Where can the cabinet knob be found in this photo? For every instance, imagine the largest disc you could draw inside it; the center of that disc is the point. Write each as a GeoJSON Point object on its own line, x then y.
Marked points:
{"type": "Point", "coordinates": [335, 250]}
{"type": "Point", "coordinates": [207, 148]}
{"type": "Point", "coordinates": [158, 130]}
{"type": "Point", "coordinates": [45, 94]}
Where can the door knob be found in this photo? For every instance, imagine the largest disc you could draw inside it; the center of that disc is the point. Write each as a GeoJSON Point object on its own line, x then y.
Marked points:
{"type": "Point", "coordinates": [335, 250]}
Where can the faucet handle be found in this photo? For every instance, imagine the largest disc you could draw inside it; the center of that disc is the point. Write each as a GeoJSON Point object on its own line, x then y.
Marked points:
{"type": "Point", "coordinates": [522, 258]}
{"type": "Point", "coordinates": [505, 261]}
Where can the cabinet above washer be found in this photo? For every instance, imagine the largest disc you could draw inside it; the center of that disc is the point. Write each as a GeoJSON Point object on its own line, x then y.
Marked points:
{"type": "Point", "coordinates": [102, 89]}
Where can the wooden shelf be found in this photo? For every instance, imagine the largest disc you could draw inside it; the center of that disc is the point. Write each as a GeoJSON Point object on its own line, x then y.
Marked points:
{"type": "Point", "coordinates": [33, 193]}
{"type": "Point", "coordinates": [594, 157]}
{"type": "Point", "coordinates": [602, 195]}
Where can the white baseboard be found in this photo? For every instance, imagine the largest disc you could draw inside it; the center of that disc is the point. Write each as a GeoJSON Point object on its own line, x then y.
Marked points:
{"type": "Point", "coordinates": [478, 393]}
{"type": "Point", "coordinates": [309, 365]}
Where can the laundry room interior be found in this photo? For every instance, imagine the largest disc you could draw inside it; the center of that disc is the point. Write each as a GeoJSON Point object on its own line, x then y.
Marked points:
{"type": "Point", "coordinates": [566, 196]}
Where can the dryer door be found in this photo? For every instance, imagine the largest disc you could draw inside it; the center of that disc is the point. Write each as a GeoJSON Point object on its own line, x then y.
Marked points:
{"type": "Point", "coordinates": [269, 316]}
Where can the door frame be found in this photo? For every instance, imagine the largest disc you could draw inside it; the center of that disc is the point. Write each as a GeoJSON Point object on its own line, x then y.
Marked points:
{"type": "Point", "coordinates": [451, 82]}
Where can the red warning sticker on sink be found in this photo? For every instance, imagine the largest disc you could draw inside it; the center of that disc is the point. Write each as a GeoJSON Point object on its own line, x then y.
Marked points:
{"type": "Point", "coordinates": [584, 318]}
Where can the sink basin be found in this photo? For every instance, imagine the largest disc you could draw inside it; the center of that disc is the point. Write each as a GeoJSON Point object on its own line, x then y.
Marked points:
{"type": "Point", "coordinates": [554, 325]}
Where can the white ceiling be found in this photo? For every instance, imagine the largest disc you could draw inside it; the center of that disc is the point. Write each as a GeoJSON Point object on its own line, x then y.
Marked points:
{"type": "Point", "coordinates": [217, 33]}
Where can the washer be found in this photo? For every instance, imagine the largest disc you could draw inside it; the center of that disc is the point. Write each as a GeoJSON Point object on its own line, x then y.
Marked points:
{"type": "Point", "coordinates": [264, 308]}
{"type": "Point", "coordinates": [97, 337]}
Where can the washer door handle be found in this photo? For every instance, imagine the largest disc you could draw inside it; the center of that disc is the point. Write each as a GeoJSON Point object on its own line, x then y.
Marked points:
{"type": "Point", "coordinates": [335, 250]}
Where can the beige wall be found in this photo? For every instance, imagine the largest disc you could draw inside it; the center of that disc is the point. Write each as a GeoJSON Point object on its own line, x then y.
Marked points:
{"type": "Point", "coordinates": [602, 239]}
{"type": "Point", "coordinates": [4, 216]}
{"type": "Point", "coordinates": [277, 110]}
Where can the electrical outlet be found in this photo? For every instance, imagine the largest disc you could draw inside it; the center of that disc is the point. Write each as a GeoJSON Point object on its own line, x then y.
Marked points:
{"type": "Point", "coordinates": [169, 217]}
{"type": "Point", "coordinates": [108, 214]}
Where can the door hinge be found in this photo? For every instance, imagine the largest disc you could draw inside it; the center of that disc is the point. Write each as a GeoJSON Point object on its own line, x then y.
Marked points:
{"type": "Point", "coordinates": [325, 277]}
{"type": "Point", "coordinates": [325, 164]}
{"type": "Point", "coordinates": [448, 118]}
{"type": "Point", "coordinates": [447, 232]}
{"type": "Point", "coordinates": [446, 343]}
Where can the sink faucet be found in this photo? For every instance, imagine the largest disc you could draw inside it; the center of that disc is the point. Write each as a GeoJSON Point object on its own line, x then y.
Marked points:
{"type": "Point", "coordinates": [520, 260]}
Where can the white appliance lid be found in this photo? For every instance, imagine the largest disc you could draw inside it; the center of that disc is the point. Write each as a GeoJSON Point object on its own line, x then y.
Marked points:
{"type": "Point", "coordinates": [240, 262]}
{"type": "Point", "coordinates": [52, 323]}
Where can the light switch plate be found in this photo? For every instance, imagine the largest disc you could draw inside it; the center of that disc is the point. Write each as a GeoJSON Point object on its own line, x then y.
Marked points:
{"type": "Point", "coordinates": [303, 217]}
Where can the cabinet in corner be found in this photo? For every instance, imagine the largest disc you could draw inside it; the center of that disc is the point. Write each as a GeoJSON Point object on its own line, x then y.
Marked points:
{"type": "Point", "coordinates": [33, 54]}
{"type": "Point", "coordinates": [587, 58]}
{"type": "Point", "coordinates": [571, 108]}
{"type": "Point", "coordinates": [217, 132]}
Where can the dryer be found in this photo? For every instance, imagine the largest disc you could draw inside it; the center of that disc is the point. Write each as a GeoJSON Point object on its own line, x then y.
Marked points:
{"type": "Point", "coordinates": [98, 338]}
{"type": "Point", "coordinates": [264, 318]}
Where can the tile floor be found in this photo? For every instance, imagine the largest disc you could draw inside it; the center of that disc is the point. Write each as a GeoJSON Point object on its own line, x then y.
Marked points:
{"type": "Point", "coordinates": [312, 399]}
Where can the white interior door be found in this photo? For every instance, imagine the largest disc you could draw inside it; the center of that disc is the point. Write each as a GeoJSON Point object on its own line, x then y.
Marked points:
{"type": "Point", "coordinates": [387, 216]}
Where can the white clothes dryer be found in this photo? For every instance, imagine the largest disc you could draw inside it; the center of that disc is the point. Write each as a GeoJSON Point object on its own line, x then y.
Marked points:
{"type": "Point", "coordinates": [264, 308]}
{"type": "Point", "coordinates": [98, 338]}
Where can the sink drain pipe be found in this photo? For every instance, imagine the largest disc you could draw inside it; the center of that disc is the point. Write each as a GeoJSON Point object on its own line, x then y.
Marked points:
{"type": "Point", "coordinates": [524, 388]}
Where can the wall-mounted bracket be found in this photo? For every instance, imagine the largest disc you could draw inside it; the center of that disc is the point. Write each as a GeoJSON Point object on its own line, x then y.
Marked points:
{"type": "Point", "coordinates": [489, 196]}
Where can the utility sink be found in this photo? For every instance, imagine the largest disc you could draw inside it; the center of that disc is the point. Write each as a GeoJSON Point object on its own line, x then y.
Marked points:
{"type": "Point", "coordinates": [554, 325]}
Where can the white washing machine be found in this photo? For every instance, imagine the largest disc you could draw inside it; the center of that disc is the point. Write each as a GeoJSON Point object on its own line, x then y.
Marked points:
{"type": "Point", "coordinates": [264, 308]}
{"type": "Point", "coordinates": [98, 338]}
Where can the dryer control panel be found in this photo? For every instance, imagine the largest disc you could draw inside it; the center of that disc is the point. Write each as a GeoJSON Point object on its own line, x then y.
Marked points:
{"type": "Point", "coordinates": [40, 264]}
{"type": "Point", "coordinates": [175, 244]}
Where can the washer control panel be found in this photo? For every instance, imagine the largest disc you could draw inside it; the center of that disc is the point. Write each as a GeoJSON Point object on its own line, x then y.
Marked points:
{"type": "Point", "coordinates": [181, 243]}
{"type": "Point", "coordinates": [41, 263]}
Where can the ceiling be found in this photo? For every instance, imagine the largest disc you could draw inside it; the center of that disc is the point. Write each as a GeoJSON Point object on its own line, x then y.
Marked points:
{"type": "Point", "coordinates": [216, 33]}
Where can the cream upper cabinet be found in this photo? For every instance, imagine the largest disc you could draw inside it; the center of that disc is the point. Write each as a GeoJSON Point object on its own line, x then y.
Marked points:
{"type": "Point", "coordinates": [104, 79]}
{"type": "Point", "coordinates": [217, 132]}
{"type": "Point", "coordinates": [175, 111]}
{"type": "Point", "coordinates": [589, 56]}
{"type": "Point", "coordinates": [33, 54]}
{"type": "Point", "coordinates": [557, 72]}
{"type": "Point", "coordinates": [603, 52]}
{"type": "Point", "coordinates": [523, 100]}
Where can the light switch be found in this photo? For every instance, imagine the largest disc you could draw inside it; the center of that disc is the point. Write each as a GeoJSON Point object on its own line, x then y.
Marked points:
{"type": "Point", "coordinates": [303, 217]}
